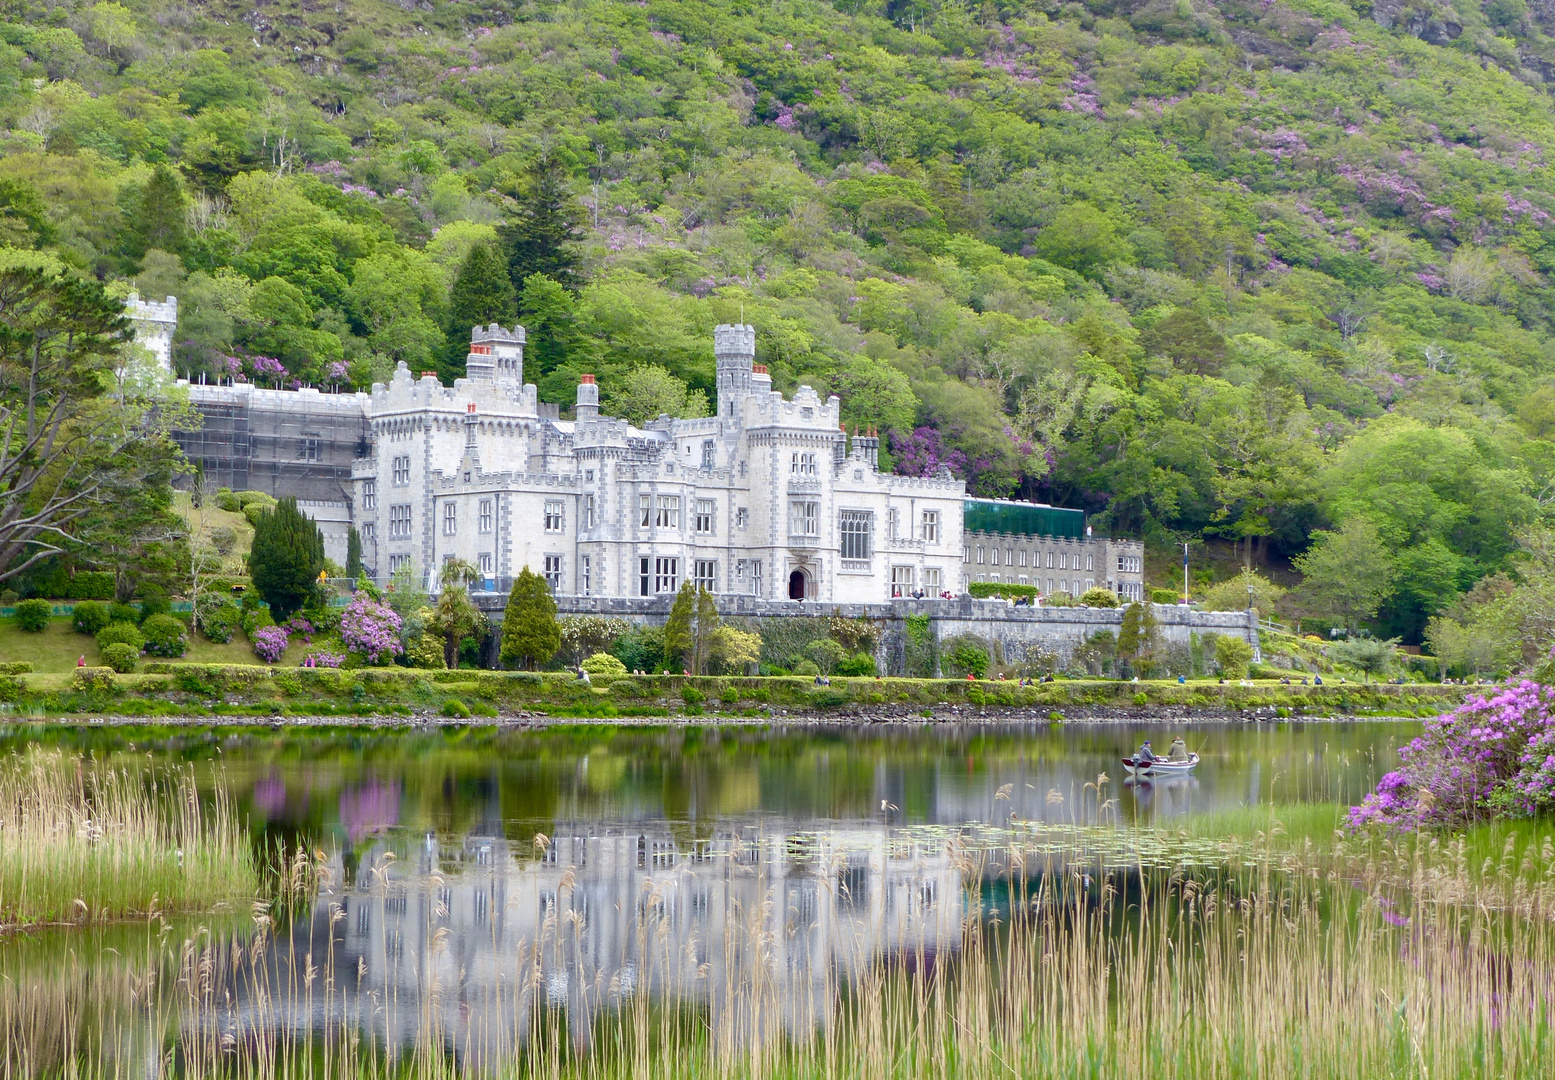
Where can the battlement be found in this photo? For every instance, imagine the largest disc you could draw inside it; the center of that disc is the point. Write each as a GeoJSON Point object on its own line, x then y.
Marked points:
{"type": "Point", "coordinates": [734, 340]}
{"type": "Point", "coordinates": [151, 311]}
{"type": "Point", "coordinates": [496, 334]}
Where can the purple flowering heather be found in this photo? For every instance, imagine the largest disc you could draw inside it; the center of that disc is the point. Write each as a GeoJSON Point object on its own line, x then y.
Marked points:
{"type": "Point", "coordinates": [270, 642]}
{"type": "Point", "coordinates": [1490, 754]}
{"type": "Point", "coordinates": [371, 629]}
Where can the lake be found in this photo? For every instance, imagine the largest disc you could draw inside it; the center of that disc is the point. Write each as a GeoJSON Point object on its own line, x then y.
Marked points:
{"type": "Point", "coordinates": [456, 885]}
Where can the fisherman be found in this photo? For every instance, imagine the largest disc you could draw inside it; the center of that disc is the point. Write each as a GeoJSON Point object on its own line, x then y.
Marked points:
{"type": "Point", "coordinates": [1144, 755]}
{"type": "Point", "coordinates": [1178, 750]}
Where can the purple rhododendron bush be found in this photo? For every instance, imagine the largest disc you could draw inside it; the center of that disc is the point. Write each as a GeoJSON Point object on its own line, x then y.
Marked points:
{"type": "Point", "coordinates": [371, 630]}
{"type": "Point", "coordinates": [1492, 756]}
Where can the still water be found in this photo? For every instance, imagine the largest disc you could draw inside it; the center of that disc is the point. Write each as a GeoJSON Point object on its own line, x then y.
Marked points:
{"type": "Point", "coordinates": [467, 879]}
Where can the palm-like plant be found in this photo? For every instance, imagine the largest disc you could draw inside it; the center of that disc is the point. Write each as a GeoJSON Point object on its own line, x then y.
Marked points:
{"type": "Point", "coordinates": [457, 617]}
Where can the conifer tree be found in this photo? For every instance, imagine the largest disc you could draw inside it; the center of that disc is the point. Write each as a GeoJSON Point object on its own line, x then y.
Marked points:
{"type": "Point", "coordinates": [530, 635]}
{"type": "Point", "coordinates": [702, 632]}
{"type": "Point", "coordinates": [353, 553]}
{"type": "Point", "coordinates": [287, 558]}
{"type": "Point", "coordinates": [542, 236]}
{"type": "Point", "coordinates": [482, 293]}
{"type": "Point", "coordinates": [688, 634]}
{"type": "Point", "coordinates": [677, 629]}
{"type": "Point", "coordinates": [159, 220]}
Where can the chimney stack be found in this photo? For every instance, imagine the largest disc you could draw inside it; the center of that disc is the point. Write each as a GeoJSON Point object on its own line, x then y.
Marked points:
{"type": "Point", "coordinates": [587, 407]}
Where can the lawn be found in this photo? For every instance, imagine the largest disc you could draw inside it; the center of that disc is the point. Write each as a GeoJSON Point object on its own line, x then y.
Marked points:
{"type": "Point", "coordinates": [57, 648]}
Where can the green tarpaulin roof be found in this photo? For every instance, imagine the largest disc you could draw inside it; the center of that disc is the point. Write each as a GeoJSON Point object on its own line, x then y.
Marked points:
{"type": "Point", "coordinates": [1022, 519]}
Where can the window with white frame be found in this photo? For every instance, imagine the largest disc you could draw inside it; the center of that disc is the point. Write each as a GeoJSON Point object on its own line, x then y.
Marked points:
{"type": "Point", "coordinates": [994, 578]}
{"type": "Point", "coordinates": [1023, 580]}
{"type": "Point", "coordinates": [553, 515]}
{"type": "Point", "coordinates": [553, 572]}
{"type": "Point", "coordinates": [705, 574]}
{"type": "Point", "coordinates": [1090, 562]}
{"type": "Point", "coordinates": [929, 530]}
{"type": "Point", "coordinates": [485, 564]}
{"type": "Point", "coordinates": [1050, 560]}
{"type": "Point", "coordinates": [397, 561]}
{"type": "Point", "coordinates": [586, 574]}
{"type": "Point", "coordinates": [399, 522]}
{"type": "Point", "coordinates": [742, 517]}
{"type": "Point", "coordinates": [668, 516]}
{"type": "Point", "coordinates": [666, 574]}
{"type": "Point", "coordinates": [485, 517]}
{"type": "Point", "coordinates": [901, 581]}
{"type": "Point", "coordinates": [892, 518]}
{"type": "Point", "coordinates": [804, 518]}
{"type": "Point", "coordinates": [931, 580]}
{"type": "Point", "coordinates": [802, 464]}
{"type": "Point", "coordinates": [450, 519]}
{"type": "Point", "coordinates": [708, 454]}
{"type": "Point", "coordinates": [369, 533]}
{"type": "Point", "coordinates": [1009, 556]}
{"type": "Point", "coordinates": [707, 514]}
{"type": "Point", "coordinates": [401, 471]}
{"type": "Point", "coordinates": [993, 557]}
{"type": "Point", "coordinates": [369, 494]}
{"type": "Point", "coordinates": [1050, 585]}
{"type": "Point", "coordinates": [981, 555]}
{"type": "Point", "coordinates": [756, 577]}
{"type": "Point", "coordinates": [966, 554]}
{"type": "Point", "coordinates": [588, 511]}
{"type": "Point", "coordinates": [645, 577]}
{"type": "Point", "coordinates": [1063, 560]}
{"type": "Point", "coordinates": [856, 528]}
{"type": "Point", "coordinates": [310, 448]}
{"type": "Point", "coordinates": [645, 511]}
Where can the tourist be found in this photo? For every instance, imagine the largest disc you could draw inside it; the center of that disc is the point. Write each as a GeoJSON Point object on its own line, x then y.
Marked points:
{"type": "Point", "coordinates": [81, 660]}
{"type": "Point", "coordinates": [1178, 751]}
{"type": "Point", "coordinates": [1181, 679]}
{"type": "Point", "coordinates": [583, 677]}
{"type": "Point", "coordinates": [1317, 680]}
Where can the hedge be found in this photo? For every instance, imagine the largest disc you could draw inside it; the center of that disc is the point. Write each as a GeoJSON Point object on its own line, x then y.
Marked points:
{"type": "Point", "coordinates": [984, 590]}
{"type": "Point", "coordinates": [91, 585]}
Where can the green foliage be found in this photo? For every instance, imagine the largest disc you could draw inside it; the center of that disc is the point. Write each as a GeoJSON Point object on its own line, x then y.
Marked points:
{"type": "Point", "coordinates": [287, 557]}
{"type": "Point", "coordinates": [1371, 656]}
{"type": "Point", "coordinates": [857, 665]}
{"type": "Point", "coordinates": [963, 655]}
{"type": "Point", "coordinates": [89, 617]}
{"type": "Point", "coordinates": [354, 567]}
{"type": "Point", "coordinates": [482, 294]}
{"type": "Point", "coordinates": [1138, 637]}
{"type": "Point", "coordinates": [121, 657]}
{"type": "Point", "coordinates": [121, 633]}
{"type": "Point", "coordinates": [1234, 594]}
{"type": "Point", "coordinates": [90, 585]}
{"type": "Point", "coordinates": [1348, 573]}
{"type": "Point", "coordinates": [530, 635]}
{"type": "Point", "coordinates": [1164, 596]}
{"type": "Point", "coordinates": [165, 635]}
{"type": "Point", "coordinates": [33, 615]}
{"type": "Point", "coordinates": [1233, 655]}
{"type": "Point", "coordinates": [1099, 597]}
{"type": "Point", "coordinates": [985, 589]}
{"type": "Point", "coordinates": [602, 663]}
{"type": "Point", "coordinates": [455, 708]}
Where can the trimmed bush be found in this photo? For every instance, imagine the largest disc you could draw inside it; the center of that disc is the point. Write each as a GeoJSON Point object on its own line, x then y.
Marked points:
{"type": "Point", "coordinates": [165, 636]}
{"type": "Point", "coordinates": [1099, 597]}
{"type": "Point", "coordinates": [91, 585]}
{"type": "Point", "coordinates": [92, 678]}
{"type": "Point", "coordinates": [457, 709]}
{"type": "Point", "coordinates": [16, 667]}
{"type": "Point", "coordinates": [228, 501]}
{"type": "Point", "coordinates": [33, 615]}
{"type": "Point", "coordinates": [121, 633]}
{"type": "Point", "coordinates": [154, 605]}
{"type": "Point", "coordinates": [602, 663]}
{"type": "Point", "coordinates": [1164, 596]}
{"type": "Point", "coordinates": [983, 590]}
{"type": "Point", "coordinates": [90, 616]}
{"type": "Point", "coordinates": [122, 658]}
{"type": "Point", "coordinates": [123, 613]}
{"type": "Point", "coordinates": [221, 622]}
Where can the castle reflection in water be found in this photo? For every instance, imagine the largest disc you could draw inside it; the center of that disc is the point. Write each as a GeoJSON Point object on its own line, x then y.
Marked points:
{"type": "Point", "coordinates": [461, 943]}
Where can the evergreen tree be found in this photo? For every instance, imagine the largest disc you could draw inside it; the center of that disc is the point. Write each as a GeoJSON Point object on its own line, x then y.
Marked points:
{"type": "Point", "coordinates": [1137, 637]}
{"type": "Point", "coordinates": [482, 294]}
{"type": "Point", "coordinates": [529, 632]}
{"type": "Point", "coordinates": [287, 558]}
{"type": "Point", "coordinates": [542, 236]}
{"type": "Point", "coordinates": [702, 633]}
{"type": "Point", "coordinates": [159, 220]}
{"type": "Point", "coordinates": [353, 553]}
{"type": "Point", "coordinates": [677, 629]}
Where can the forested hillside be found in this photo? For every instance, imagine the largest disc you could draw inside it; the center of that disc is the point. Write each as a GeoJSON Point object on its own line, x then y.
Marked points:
{"type": "Point", "coordinates": [1243, 271]}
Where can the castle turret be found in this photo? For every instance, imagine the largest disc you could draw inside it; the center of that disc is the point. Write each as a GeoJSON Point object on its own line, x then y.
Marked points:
{"type": "Point", "coordinates": [155, 325]}
{"type": "Point", "coordinates": [734, 348]}
{"type": "Point", "coordinates": [496, 354]}
{"type": "Point", "coordinates": [587, 407]}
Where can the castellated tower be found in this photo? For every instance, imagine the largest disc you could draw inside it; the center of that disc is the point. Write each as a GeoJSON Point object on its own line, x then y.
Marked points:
{"type": "Point", "coordinates": [734, 347]}
{"type": "Point", "coordinates": [496, 355]}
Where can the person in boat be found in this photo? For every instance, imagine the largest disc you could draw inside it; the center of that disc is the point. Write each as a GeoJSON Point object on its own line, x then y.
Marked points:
{"type": "Point", "coordinates": [1144, 755]}
{"type": "Point", "coordinates": [1178, 750]}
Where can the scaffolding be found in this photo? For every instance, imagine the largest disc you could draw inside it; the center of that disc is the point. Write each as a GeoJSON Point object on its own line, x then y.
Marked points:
{"type": "Point", "coordinates": [297, 443]}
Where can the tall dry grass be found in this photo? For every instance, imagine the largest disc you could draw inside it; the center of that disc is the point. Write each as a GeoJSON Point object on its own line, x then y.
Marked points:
{"type": "Point", "coordinates": [1387, 958]}
{"type": "Point", "coordinates": [82, 841]}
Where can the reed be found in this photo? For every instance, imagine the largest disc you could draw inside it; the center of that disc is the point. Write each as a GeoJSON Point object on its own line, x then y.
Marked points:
{"type": "Point", "coordinates": [81, 841]}
{"type": "Point", "coordinates": [1385, 957]}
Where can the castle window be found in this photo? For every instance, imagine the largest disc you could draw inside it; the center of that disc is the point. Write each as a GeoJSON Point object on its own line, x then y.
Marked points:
{"type": "Point", "coordinates": [930, 528]}
{"type": "Point", "coordinates": [1050, 562]}
{"type": "Point", "coordinates": [804, 518]}
{"type": "Point", "coordinates": [901, 581]}
{"type": "Point", "coordinates": [668, 516]}
{"type": "Point", "coordinates": [485, 564]}
{"type": "Point", "coordinates": [450, 519]}
{"type": "Point", "coordinates": [931, 580]}
{"type": "Point", "coordinates": [397, 561]}
{"type": "Point", "coordinates": [705, 573]}
{"type": "Point", "coordinates": [645, 579]}
{"type": "Point", "coordinates": [993, 556]}
{"type": "Point", "coordinates": [892, 519]}
{"type": "Point", "coordinates": [399, 522]}
{"type": "Point", "coordinates": [666, 575]}
{"type": "Point", "coordinates": [707, 453]}
{"type": "Point", "coordinates": [1090, 562]}
{"type": "Point", "coordinates": [980, 558]}
{"type": "Point", "coordinates": [755, 577]}
{"type": "Point", "coordinates": [402, 471]}
{"type": "Point", "coordinates": [310, 448]}
{"type": "Point", "coordinates": [553, 572]}
{"type": "Point", "coordinates": [553, 515]}
{"type": "Point", "coordinates": [802, 464]}
{"type": "Point", "coordinates": [645, 512]}
{"type": "Point", "coordinates": [1009, 556]}
{"type": "Point", "coordinates": [485, 516]}
{"type": "Point", "coordinates": [588, 511]}
{"type": "Point", "coordinates": [369, 533]}
{"type": "Point", "coordinates": [742, 517]}
{"type": "Point", "coordinates": [707, 511]}
{"type": "Point", "coordinates": [369, 494]}
{"type": "Point", "coordinates": [585, 574]}
{"type": "Point", "coordinates": [966, 554]}
{"type": "Point", "coordinates": [857, 528]}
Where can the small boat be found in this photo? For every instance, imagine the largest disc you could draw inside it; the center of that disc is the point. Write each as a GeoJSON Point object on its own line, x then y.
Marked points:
{"type": "Point", "coordinates": [1160, 767]}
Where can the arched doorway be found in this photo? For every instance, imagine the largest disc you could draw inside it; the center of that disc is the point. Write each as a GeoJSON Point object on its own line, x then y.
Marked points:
{"type": "Point", "coordinates": [796, 585]}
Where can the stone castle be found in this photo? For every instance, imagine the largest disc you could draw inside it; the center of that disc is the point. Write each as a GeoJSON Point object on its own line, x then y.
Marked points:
{"type": "Point", "coordinates": [768, 499]}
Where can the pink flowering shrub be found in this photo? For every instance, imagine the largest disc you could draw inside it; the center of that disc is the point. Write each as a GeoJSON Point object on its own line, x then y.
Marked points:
{"type": "Point", "coordinates": [1490, 756]}
{"type": "Point", "coordinates": [270, 642]}
{"type": "Point", "coordinates": [323, 658]}
{"type": "Point", "coordinates": [371, 629]}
